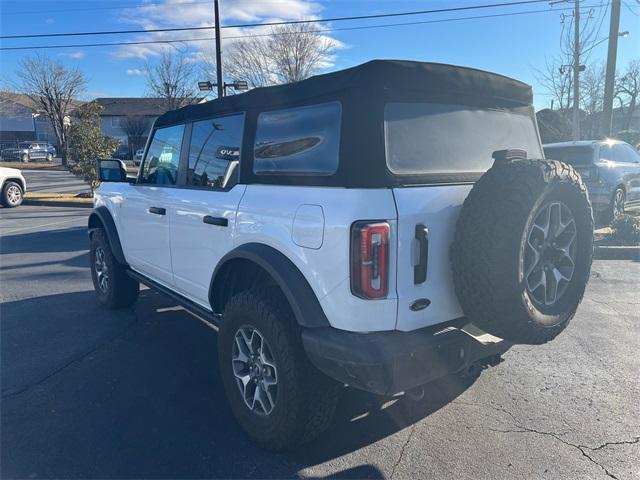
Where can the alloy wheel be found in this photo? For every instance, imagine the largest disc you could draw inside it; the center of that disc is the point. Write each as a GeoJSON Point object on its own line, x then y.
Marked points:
{"type": "Point", "coordinates": [618, 203]}
{"type": "Point", "coordinates": [14, 195]}
{"type": "Point", "coordinates": [255, 370]}
{"type": "Point", "coordinates": [550, 253]}
{"type": "Point", "coordinates": [102, 270]}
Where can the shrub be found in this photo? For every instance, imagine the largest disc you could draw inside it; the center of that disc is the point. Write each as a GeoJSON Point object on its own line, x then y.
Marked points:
{"type": "Point", "coordinates": [626, 230]}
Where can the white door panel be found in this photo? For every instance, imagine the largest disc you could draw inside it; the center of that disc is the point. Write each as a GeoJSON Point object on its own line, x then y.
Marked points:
{"type": "Point", "coordinates": [196, 246]}
{"type": "Point", "coordinates": [437, 208]}
{"type": "Point", "coordinates": [146, 235]}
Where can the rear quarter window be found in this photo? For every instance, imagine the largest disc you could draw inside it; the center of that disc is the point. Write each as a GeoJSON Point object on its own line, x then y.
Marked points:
{"type": "Point", "coordinates": [301, 140]}
{"type": "Point", "coordinates": [428, 138]}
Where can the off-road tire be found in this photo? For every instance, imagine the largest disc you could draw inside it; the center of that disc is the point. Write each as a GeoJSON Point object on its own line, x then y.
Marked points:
{"type": "Point", "coordinates": [489, 244]}
{"type": "Point", "coordinates": [122, 290]}
{"type": "Point", "coordinates": [9, 192]}
{"type": "Point", "coordinates": [306, 399]}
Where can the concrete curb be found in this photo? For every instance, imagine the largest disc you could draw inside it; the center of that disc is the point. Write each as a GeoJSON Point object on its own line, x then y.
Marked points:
{"type": "Point", "coordinates": [57, 203]}
{"type": "Point", "coordinates": [614, 252]}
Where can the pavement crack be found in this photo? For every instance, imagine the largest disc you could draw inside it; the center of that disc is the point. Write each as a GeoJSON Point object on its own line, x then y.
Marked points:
{"type": "Point", "coordinates": [581, 448]}
{"type": "Point", "coordinates": [74, 360]}
{"type": "Point", "coordinates": [404, 446]}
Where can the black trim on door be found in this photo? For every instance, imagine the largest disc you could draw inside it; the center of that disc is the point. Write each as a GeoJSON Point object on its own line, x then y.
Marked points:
{"type": "Point", "coordinates": [219, 221]}
{"type": "Point", "coordinates": [157, 210]}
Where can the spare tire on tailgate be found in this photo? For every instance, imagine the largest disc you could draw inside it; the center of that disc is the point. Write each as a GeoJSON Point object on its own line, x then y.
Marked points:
{"type": "Point", "coordinates": [523, 248]}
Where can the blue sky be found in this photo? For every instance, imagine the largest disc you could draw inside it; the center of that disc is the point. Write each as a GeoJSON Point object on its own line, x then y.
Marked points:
{"type": "Point", "coordinates": [512, 45]}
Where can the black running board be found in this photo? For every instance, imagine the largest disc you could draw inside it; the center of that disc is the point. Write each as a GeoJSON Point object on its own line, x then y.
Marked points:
{"type": "Point", "coordinates": [184, 302]}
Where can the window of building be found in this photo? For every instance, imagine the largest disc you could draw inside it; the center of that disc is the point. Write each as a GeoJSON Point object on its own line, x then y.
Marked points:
{"type": "Point", "coordinates": [215, 146]}
{"type": "Point", "coordinates": [303, 140]}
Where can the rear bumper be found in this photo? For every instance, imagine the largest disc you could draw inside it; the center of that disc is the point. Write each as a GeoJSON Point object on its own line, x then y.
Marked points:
{"type": "Point", "coordinates": [389, 362]}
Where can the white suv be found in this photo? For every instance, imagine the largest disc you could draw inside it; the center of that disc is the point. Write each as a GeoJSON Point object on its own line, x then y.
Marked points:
{"type": "Point", "coordinates": [379, 227]}
{"type": "Point", "coordinates": [12, 187]}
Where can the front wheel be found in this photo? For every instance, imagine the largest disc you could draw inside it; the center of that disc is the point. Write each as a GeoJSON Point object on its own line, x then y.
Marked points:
{"type": "Point", "coordinates": [25, 158]}
{"type": "Point", "coordinates": [11, 194]}
{"type": "Point", "coordinates": [114, 287]}
{"type": "Point", "coordinates": [49, 157]}
{"type": "Point", "coordinates": [276, 395]}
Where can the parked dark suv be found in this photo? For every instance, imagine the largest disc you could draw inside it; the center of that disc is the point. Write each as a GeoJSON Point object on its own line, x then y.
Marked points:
{"type": "Point", "coordinates": [610, 169]}
{"type": "Point", "coordinates": [27, 151]}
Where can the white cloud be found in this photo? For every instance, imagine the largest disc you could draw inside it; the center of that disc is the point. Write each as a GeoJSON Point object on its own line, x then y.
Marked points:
{"type": "Point", "coordinates": [185, 13]}
{"type": "Point", "coordinates": [134, 71]}
{"type": "Point", "coordinates": [77, 55]}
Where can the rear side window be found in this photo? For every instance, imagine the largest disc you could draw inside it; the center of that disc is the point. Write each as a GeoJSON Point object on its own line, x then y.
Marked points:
{"type": "Point", "coordinates": [570, 155]}
{"type": "Point", "coordinates": [427, 138]}
{"type": "Point", "coordinates": [215, 145]}
{"type": "Point", "coordinates": [163, 157]}
{"type": "Point", "coordinates": [303, 140]}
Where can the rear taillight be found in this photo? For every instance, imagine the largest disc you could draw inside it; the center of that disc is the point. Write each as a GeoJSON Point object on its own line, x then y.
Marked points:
{"type": "Point", "coordinates": [370, 259]}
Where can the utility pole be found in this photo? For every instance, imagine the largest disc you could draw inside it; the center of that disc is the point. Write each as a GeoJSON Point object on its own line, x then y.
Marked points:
{"type": "Point", "coordinates": [576, 72]}
{"type": "Point", "coordinates": [220, 83]}
{"type": "Point", "coordinates": [607, 107]}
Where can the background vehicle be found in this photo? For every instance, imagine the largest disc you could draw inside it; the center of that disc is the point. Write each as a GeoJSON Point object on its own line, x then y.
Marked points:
{"type": "Point", "coordinates": [12, 187]}
{"type": "Point", "coordinates": [610, 169]}
{"type": "Point", "coordinates": [28, 151]}
{"type": "Point", "coordinates": [122, 152]}
{"type": "Point", "coordinates": [335, 234]}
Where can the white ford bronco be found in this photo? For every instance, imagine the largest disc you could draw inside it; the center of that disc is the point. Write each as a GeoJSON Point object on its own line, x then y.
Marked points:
{"type": "Point", "coordinates": [381, 226]}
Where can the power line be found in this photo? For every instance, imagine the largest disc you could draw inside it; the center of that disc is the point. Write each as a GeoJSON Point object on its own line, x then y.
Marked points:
{"type": "Point", "coordinates": [361, 27]}
{"type": "Point", "coordinates": [267, 24]}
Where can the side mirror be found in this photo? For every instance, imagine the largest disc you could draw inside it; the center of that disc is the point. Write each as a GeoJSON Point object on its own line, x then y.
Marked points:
{"type": "Point", "coordinates": [112, 171]}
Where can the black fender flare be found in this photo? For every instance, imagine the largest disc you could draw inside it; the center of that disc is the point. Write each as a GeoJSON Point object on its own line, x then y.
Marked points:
{"type": "Point", "coordinates": [102, 216]}
{"type": "Point", "coordinates": [303, 301]}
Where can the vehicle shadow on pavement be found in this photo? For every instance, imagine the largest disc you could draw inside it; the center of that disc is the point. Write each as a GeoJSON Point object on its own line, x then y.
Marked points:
{"type": "Point", "coordinates": [135, 393]}
{"type": "Point", "coordinates": [55, 241]}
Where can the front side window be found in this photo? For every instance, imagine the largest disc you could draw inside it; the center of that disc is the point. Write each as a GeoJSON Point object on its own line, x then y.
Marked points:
{"type": "Point", "coordinates": [215, 146]}
{"type": "Point", "coordinates": [163, 157]}
{"type": "Point", "coordinates": [302, 140]}
{"type": "Point", "coordinates": [428, 138]}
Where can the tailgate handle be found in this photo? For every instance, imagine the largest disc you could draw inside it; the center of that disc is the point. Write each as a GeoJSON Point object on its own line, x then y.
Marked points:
{"type": "Point", "coordinates": [420, 270]}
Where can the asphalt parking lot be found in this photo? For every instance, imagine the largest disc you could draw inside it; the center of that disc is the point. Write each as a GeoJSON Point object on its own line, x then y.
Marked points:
{"type": "Point", "coordinates": [136, 394]}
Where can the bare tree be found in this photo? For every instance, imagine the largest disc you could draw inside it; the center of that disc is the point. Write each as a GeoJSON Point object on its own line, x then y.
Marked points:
{"type": "Point", "coordinates": [172, 77]}
{"type": "Point", "coordinates": [289, 54]}
{"type": "Point", "coordinates": [52, 88]}
{"type": "Point", "coordinates": [136, 127]}
{"type": "Point", "coordinates": [628, 92]}
{"type": "Point", "coordinates": [557, 81]}
{"type": "Point", "coordinates": [592, 98]}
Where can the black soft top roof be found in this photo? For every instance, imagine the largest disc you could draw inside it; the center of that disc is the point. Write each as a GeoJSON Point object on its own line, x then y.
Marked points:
{"type": "Point", "coordinates": [370, 80]}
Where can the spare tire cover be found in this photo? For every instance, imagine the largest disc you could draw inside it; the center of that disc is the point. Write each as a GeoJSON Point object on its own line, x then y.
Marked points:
{"type": "Point", "coordinates": [522, 251]}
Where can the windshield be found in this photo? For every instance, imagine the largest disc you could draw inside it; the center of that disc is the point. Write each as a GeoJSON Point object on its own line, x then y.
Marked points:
{"type": "Point", "coordinates": [423, 138]}
{"type": "Point", "coordinates": [570, 155]}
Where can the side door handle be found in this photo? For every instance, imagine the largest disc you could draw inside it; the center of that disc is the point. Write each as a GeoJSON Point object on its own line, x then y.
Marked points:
{"type": "Point", "coordinates": [157, 210]}
{"type": "Point", "coordinates": [420, 270]}
{"type": "Point", "coordinates": [219, 221]}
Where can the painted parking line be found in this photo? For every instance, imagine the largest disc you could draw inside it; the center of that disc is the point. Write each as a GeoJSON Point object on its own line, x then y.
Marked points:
{"type": "Point", "coordinates": [40, 226]}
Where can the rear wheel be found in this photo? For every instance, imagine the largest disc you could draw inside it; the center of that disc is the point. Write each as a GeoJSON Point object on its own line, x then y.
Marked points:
{"type": "Point", "coordinates": [523, 249]}
{"type": "Point", "coordinates": [276, 395]}
{"type": "Point", "coordinates": [11, 194]}
{"type": "Point", "coordinates": [114, 287]}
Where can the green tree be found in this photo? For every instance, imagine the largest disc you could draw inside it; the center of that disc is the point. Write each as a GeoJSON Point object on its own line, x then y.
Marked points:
{"type": "Point", "coordinates": [87, 144]}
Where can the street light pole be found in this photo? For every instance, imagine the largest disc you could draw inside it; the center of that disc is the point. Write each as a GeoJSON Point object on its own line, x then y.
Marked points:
{"type": "Point", "coordinates": [576, 72]}
{"type": "Point", "coordinates": [607, 107]}
{"type": "Point", "coordinates": [220, 83]}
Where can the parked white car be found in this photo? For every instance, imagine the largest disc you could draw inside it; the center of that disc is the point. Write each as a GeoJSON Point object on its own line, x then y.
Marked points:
{"type": "Point", "coordinates": [12, 187]}
{"type": "Point", "coordinates": [380, 227]}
